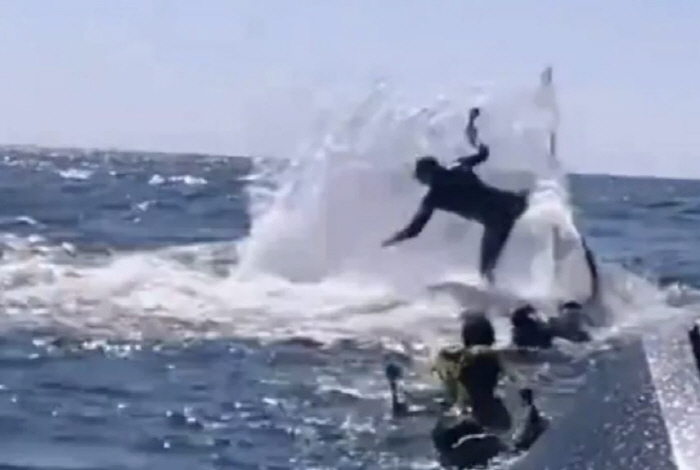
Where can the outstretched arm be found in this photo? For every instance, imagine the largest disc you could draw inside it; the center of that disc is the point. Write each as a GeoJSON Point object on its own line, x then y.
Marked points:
{"type": "Point", "coordinates": [467, 163]}
{"type": "Point", "coordinates": [420, 219]}
{"type": "Point", "coordinates": [472, 132]}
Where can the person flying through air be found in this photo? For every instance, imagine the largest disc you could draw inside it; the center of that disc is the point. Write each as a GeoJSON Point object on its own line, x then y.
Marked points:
{"type": "Point", "coordinates": [460, 191]}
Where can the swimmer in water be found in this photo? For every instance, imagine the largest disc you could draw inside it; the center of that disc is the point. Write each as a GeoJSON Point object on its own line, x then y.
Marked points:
{"type": "Point", "coordinates": [470, 375]}
{"type": "Point", "coordinates": [529, 330]}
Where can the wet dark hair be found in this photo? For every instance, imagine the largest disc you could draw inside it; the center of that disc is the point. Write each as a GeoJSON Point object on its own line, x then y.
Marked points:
{"type": "Point", "coordinates": [571, 305]}
{"type": "Point", "coordinates": [426, 164]}
{"type": "Point", "coordinates": [477, 330]}
{"type": "Point", "coordinates": [480, 373]}
{"type": "Point", "coordinates": [522, 315]}
{"type": "Point", "coordinates": [529, 330]}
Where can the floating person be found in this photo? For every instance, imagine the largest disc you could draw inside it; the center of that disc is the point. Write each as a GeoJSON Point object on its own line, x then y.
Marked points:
{"type": "Point", "coordinates": [470, 376]}
{"type": "Point", "coordinates": [529, 330]}
{"type": "Point", "coordinates": [569, 323]}
{"type": "Point", "coordinates": [471, 373]}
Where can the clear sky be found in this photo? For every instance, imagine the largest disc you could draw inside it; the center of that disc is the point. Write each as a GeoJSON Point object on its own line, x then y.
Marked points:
{"type": "Point", "coordinates": [227, 75]}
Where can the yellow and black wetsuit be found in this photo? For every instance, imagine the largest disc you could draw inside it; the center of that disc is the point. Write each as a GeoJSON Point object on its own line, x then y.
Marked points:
{"type": "Point", "coordinates": [470, 377]}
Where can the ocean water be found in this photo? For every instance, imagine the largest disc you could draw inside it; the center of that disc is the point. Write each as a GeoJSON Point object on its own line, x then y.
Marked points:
{"type": "Point", "coordinates": [124, 344]}
{"type": "Point", "coordinates": [165, 311]}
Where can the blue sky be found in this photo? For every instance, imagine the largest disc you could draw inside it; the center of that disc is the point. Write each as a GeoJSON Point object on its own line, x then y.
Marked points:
{"type": "Point", "coordinates": [237, 76]}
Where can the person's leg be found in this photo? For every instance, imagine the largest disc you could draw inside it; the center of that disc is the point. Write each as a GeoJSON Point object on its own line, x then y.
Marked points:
{"type": "Point", "coordinates": [492, 243]}
{"type": "Point", "coordinates": [497, 230]}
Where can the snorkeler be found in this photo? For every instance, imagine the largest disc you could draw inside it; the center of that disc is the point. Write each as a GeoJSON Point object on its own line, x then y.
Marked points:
{"type": "Point", "coordinates": [470, 375]}
{"type": "Point", "coordinates": [460, 191]}
{"type": "Point", "coordinates": [529, 330]}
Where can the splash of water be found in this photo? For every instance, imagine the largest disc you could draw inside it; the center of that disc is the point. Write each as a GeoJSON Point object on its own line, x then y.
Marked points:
{"type": "Point", "coordinates": [354, 189]}
{"type": "Point", "coordinates": [312, 264]}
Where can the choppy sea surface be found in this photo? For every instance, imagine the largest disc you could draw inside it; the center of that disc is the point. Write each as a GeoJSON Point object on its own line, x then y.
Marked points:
{"type": "Point", "coordinates": [129, 340]}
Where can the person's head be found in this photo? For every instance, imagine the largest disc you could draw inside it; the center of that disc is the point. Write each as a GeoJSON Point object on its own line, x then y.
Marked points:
{"type": "Point", "coordinates": [425, 169]}
{"type": "Point", "coordinates": [572, 314]}
{"type": "Point", "coordinates": [477, 330]}
{"type": "Point", "coordinates": [529, 329]}
{"type": "Point", "coordinates": [523, 316]}
{"type": "Point", "coordinates": [571, 305]}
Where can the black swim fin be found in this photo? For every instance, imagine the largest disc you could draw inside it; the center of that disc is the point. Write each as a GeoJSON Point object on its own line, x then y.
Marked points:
{"type": "Point", "coordinates": [535, 424]}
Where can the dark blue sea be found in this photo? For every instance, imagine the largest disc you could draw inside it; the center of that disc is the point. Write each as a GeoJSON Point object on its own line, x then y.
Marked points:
{"type": "Point", "coordinates": [129, 341]}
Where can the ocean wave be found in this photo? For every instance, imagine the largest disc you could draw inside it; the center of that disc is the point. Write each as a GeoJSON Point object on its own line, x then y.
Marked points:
{"type": "Point", "coordinates": [188, 180]}
{"type": "Point", "coordinates": [76, 174]}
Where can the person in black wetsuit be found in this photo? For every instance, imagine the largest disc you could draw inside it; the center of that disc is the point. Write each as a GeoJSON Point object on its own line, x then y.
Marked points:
{"type": "Point", "coordinates": [529, 330]}
{"type": "Point", "coordinates": [460, 191]}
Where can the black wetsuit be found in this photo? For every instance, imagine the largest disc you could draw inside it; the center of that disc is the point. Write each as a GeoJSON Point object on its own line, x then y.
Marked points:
{"type": "Point", "coordinates": [460, 191]}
